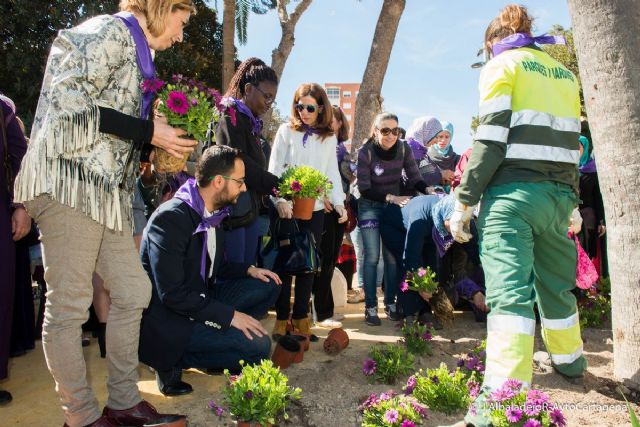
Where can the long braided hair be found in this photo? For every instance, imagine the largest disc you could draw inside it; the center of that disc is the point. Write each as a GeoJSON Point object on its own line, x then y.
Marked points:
{"type": "Point", "coordinates": [253, 71]}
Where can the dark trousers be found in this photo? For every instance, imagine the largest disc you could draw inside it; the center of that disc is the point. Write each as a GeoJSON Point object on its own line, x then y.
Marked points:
{"type": "Point", "coordinates": [211, 348]}
{"type": "Point", "coordinates": [304, 282]}
{"type": "Point", "coordinates": [23, 327]}
{"type": "Point", "coordinates": [7, 282]}
{"type": "Point", "coordinates": [329, 251]}
{"type": "Point", "coordinates": [241, 244]}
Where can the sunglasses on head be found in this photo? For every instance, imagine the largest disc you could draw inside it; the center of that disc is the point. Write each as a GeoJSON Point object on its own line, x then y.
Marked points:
{"type": "Point", "coordinates": [309, 107]}
{"type": "Point", "coordinates": [387, 131]}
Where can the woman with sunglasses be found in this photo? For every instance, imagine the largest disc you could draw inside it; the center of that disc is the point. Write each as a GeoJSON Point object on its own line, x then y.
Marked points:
{"type": "Point", "coordinates": [252, 91]}
{"type": "Point", "coordinates": [333, 231]}
{"type": "Point", "coordinates": [381, 161]}
{"type": "Point", "coordinates": [307, 139]}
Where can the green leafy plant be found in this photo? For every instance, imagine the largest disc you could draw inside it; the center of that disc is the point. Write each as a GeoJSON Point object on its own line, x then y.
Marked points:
{"type": "Point", "coordinates": [391, 409]}
{"type": "Point", "coordinates": [594, 305]}
{"type": "Point", "coordinates": [187, 104]}
{"type": "Point", "coordinates": [511, 406]}
{"type": "Point", "coordinates": [475, 361]}
{"type": "Point", "coordinates": [303, 181]}
{"type": "Point", "coordinates": [417, 337]}
{"type": "Point", "coordinates": [420, 280]}
{"type": "Point", "coordinates": [259, 394]}
{"type": "Point", "coordinates": [442, 390]}
{"type": "Point", "coordinates": [387, 362]}
{"type": "Point", "coordinates": [632, 415]}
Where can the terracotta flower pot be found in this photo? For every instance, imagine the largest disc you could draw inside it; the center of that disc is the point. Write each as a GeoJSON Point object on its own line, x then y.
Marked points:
{"type": "Point", "coordinates": [303, 340]}
{"type": "Point", "coordinates": [336, 341]}
{"type": "Point", "coordinates": [285, 352]}
{"type": "Point", "coordinates": [303, 207]}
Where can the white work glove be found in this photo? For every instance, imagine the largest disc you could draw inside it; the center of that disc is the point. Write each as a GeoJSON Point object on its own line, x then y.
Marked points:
{"type": "Point", "coordinates": [459, 222]}
{"type": "Point", "coordinates": [575, 223]}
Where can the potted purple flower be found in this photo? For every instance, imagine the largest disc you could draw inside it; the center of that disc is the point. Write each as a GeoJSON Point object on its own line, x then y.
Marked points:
{"type": "Point", "coordinates": [304, 185]}
{"type": "Point", "coordinates": [392, 410]}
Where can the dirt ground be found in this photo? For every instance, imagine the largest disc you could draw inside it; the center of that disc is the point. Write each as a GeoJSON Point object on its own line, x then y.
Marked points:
{"type": "Point", "coordinates": [332, 386]}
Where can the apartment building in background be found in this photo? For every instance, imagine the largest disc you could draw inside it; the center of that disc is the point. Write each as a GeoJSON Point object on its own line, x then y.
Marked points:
{"type": "Point", "coordinates": [344, 95]}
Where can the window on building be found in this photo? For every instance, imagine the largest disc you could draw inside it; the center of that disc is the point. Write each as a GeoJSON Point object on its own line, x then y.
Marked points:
{"type": "Point", "coordinates": [346, 106]}
{"type": "Point", "coordinates": [348, 116]}
{"type": "Point", "coordinates": [357, 93]}
{"type": "Point", "coordinates": [333, 92]}
{"type": "Point", "coordinates": [346, 94]}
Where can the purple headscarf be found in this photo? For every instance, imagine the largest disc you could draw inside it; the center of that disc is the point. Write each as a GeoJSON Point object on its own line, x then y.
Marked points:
{"type": "Point", "coordinates": [521, 39]}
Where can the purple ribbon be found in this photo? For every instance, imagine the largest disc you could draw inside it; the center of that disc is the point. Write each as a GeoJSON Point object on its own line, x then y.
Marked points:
{"type": "Point", "coordinates": [521, 39]}
{"type": "Point", "coordinates": [418, 150]}
{"type": "Point", "coordinates": [589, 167]}
{"type": "Point", "coordinates": [341, 151]}
{"type": "Point", "coordinates": [308, 131]}
{"type": "Point", "coordinates": [143, 58]}
{"type": "Point", "coordinates": [256, 122]}
{"type": "Point", "coordinates": [189, 194]}
{"type": "Point", "coordinates": [443, 243]}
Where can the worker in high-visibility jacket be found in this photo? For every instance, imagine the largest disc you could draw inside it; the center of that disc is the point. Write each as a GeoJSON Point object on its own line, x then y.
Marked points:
{"type": "Point", "coordinates": [524, 173]}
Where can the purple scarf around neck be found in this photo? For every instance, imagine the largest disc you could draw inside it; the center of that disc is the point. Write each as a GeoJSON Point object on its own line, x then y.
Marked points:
{"type": "Point", "coordinates": [418, 150]}
{"type": "Point", "coordinates": [521, 39]}
{"type": "Point", "coordinates": [189, 194]}
{"type": "Point", "coordinates": [589, 167]}
{"type": "Point", "coordinates": [143, 57]}
{"type": "Point", "coordinates": [308, 131]}
{"type": "Point", "coordinates": [256, 122]}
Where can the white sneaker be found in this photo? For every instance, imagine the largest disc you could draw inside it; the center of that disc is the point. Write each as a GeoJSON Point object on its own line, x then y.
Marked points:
{"type": "Point", "coordinates": [356, 297]}
{"type": "Point", "coordinates": [329, 323]}
{"type": "Point", "coordinates": [338, 316]}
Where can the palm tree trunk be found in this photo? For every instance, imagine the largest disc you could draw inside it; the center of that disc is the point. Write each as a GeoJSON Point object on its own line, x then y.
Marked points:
{"type": "Point", "coordinates": [228, 46]}
{"type": "Point", "coordinates": [608, 49]}
{"type": "Point", "coordinates": [369, 101]}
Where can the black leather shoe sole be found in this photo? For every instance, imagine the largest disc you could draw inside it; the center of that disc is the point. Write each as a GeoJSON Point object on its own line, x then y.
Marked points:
{"type": "Point", "coordinates": [5, 397]}
{"type": "Point", "coordinates": [177, 389]}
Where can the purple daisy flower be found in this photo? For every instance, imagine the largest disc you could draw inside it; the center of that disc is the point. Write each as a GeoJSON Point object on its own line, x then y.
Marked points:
{"type": "Point", "coordinates": [391, 416]}
{"type": "Point", "coordinates": [177, 102]}
{"type": "Point", "coordinates": [537, 397]}
{"type": "Point", "coordinates": [531, 409]}
{"type": "Point", "coordinates": [434, 379]}
{"type": "Point", "coordinates": [474, 388]}
{"type": "Point", "coordinates": [421, 410]}
{"type": "Point", "coordinates": [427, 336]}
{"type": "Point", "coordinates": [422, 272]}
{"type": "Point", "coordinates": [460, 363]}
{"type": "Point", "coordinates": [411, 384]}
{"type": "Point", "coordinates": [408, 423]}
{"type": "Point", "coordinates": [512, 384]}
{"type": "Point", "coordinates": [194, 102]}
{"type": "Point", "coordinates": [296, 186]}
{"type": "Point", "coordinates": [386, 396]}
{"type": "Point", "coordinates": [513, 414]}
{"type": "Point", "coordinates": [369, 367]}
{"type": "Point", "coordinates": [248, 395]}
{"type": "Point", "coordinates": [532, 423]}
{"type": "Point", "coordinates": [404, 286]}
{"type": "Point", "coordinates": [557, 417]}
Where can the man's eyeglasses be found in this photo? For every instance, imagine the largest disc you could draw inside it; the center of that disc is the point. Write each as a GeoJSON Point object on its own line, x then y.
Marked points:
{"type": "Point", "coordinates": [387, 131]}
{"type": "Point", "coordinates": [240, 181]}
{"type": "Point", "coordinates": [310, 108]}
{"type": "Point", "coordinates": [268, 98]}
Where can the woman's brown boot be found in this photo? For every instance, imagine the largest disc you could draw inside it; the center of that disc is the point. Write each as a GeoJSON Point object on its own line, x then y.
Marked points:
{"type": "Point", "coordinates": [302, 325]}
{"type": "Point", "coordinates": [279, 329]}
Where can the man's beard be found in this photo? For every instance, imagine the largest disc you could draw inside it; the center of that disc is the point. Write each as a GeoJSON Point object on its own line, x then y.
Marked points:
{"type": "Point", "coordinates": [223, 199]}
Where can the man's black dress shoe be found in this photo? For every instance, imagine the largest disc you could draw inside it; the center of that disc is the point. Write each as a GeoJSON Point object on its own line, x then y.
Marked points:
{"type": "Point", "coordinates": [170, 383]}
{"type": "Point", "coordinates": [5, 397]}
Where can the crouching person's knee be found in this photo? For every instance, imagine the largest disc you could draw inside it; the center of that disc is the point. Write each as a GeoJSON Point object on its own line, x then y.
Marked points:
{"type": "Point", "coordinates": [258, 349]}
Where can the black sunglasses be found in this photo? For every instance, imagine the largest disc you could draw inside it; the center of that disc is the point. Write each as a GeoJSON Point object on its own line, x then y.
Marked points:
{"type": "Point", "coordinates": [310, 108]}
{"type": "Point", "coordinates": [269, 99]}
{"type": "Point", "coordinates": [387, 131]}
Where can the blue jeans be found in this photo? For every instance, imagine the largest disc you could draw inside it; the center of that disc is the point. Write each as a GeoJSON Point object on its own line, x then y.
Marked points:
{"type": "Point", "coordinates": [356, 239]}
{"type": "Point", "coordinates": [211, 348]}
{"type": "Point", "coordinates": [369, 216]}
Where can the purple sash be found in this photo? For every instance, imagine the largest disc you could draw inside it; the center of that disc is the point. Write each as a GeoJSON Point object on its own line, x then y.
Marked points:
{"type": "Point", "coordinates": [521, 39]}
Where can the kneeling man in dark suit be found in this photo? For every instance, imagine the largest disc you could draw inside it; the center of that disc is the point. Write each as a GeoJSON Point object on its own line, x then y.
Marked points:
{"type": "Point", "coordinates": [204, 310]}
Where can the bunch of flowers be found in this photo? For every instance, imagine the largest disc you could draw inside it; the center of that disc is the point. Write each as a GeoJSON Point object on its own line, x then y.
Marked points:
{"type": "Point", "coordinates": [442, 390]}
{"type": "Point", "coordinates": [511, 406]}
{"type": "Point", "coordinates": [303, 181]}
{"type": "Point", "coordinates": [417, 337]}
{"type": "Point", "coordinates": [188, 104]}
{"type": "Point", "coordinates": [420, 280]}
{"type": "Point", "coordinates": [386, 363]}
{"type": "Point", "coordinates": [259, 394]}
{"type": "Point", "coordinates": [474, 362]}
{"type": "Point", "coordinates": [594, 305]}
{"type": "Point", "coordinates": [391, 409]}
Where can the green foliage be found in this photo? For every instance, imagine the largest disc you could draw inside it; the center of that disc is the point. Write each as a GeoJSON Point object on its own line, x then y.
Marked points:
{"type": "Point", "coordinates": [473, 364]}
{"type": "Point", "coordinates": [417, 338]}
{"type": "Point", "coordinates": [200, 53]}
{"type": "Point", "coordinates": [442, 390]}
{"type": "Point", "coordinates": [259, 394]}
{"type": "Point", "coordinates": [392, 410]}
{"type": "Point", "coordinates": [420, 280]}
{"type": "Point", "coordinates": [566, 55]}
{"type": "Point", "coordinates": [303, 181]}
{"type": "Point", "coordinates": [594, 306]}
{"type": "Point", "coordinates": [632, 415]}
{"type": "Point", "coordinates": [390, 361]}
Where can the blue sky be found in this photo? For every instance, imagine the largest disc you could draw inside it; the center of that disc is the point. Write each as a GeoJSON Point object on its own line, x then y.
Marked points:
{"type": "Point", "coordinates": [429, 70]}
